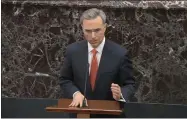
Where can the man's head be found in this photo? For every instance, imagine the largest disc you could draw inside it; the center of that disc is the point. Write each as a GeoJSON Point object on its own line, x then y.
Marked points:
{"type": "Point", "coordinates": [93, 23]}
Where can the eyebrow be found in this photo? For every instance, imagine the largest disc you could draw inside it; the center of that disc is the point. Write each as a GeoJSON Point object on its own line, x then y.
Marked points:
{"type": "Point", "coordinates": [92, 29]}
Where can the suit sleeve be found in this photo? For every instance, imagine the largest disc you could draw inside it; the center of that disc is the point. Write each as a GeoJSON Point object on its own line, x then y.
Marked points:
{"type": "Point", "coordinates": [127, 80]}
{"type": "Point", "coordinates": [66, 76]}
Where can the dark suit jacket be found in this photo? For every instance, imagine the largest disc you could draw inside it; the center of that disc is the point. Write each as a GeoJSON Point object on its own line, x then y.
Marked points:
{"type": "Point", "coordinates": [114, 67]}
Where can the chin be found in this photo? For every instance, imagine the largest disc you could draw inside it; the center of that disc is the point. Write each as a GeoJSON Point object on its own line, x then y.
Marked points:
{"type": "Point", "coordinates": [94, 45]}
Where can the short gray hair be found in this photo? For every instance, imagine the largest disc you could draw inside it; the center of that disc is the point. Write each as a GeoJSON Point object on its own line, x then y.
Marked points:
{"type": "Point", "coordinates": [92, 14]}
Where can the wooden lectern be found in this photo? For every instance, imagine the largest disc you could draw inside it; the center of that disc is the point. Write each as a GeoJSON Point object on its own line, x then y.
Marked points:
{"type": "Point", "coordinates": [94, 107]}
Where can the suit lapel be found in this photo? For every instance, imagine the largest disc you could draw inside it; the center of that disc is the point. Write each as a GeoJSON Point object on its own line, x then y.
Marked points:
{"type": "Point", "coordinates": [104, 61]}
{"type": "Point", "coordinates": [84, 67]}
{"type": "Point", "coordinates": [83, 57]}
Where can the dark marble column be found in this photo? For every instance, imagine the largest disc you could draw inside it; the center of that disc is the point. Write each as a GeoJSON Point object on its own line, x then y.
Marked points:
{"type": "Point", "coordinates": [35, 35]}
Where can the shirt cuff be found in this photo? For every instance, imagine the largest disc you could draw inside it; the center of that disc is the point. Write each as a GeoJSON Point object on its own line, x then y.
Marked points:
{"type": "Point", "coordinates": [75, 93]}
{"type": "Point", "coordinates": [121, 98]}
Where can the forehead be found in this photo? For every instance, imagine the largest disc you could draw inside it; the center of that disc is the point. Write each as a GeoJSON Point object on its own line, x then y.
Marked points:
{"type": "Point", "coordinates": [92, 23]}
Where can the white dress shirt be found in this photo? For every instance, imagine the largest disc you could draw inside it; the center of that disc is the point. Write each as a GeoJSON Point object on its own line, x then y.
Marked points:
{"type": "Point", "coordinates": [98, 55]}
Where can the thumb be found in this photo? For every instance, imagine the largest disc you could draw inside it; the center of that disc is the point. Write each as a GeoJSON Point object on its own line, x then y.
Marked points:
{"type": "Point", "coordinates": [86, 103]}
{"type": "Point", "coordinates": [114, 96]}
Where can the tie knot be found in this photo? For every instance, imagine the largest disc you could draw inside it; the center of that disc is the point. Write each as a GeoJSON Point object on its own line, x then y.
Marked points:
{"type": "Point", "coordinates": [94, 51]}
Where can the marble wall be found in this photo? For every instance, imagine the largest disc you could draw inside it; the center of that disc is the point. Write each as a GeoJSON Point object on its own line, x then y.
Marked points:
{"type": "Point", "coordinates": [35, 35]}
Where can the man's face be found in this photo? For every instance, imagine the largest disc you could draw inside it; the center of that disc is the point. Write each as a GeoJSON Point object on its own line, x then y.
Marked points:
{"type": "Point", "coordinates": [94, 31]}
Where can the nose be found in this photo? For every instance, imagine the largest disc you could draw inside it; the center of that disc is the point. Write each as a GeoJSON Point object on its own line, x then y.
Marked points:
{"type": "Point", "coordinates": [93, 34]}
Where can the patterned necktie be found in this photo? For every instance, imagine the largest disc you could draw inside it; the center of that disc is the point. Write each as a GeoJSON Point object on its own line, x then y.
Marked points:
{"type": "Point", "coordinates": [94, 68]}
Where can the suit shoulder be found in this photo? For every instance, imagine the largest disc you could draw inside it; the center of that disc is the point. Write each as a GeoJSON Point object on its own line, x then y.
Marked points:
{"type": "Point", "coordinates": [118, 49]}
{"type": "Point", "coordinates": [75, 46]}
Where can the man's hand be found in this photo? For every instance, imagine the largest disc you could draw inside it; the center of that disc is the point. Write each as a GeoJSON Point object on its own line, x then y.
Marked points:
{"type": "Point", "coordinates": [116, 91]}
{"type": "Point", "coordinates": [77, 100]}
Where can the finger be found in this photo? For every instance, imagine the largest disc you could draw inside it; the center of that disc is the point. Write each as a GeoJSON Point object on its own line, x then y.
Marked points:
{"type": "Point", "coordinates": [80, 102]}
{"type": "Point", "coordinates": [71, 103]}
{"type": "Point", "coordinates": [75, 104]}
{"type": "Point", "coordinates": [117, 94]}
{"type": "Point", "coordinates": [116, 97]}
{"type": "Point", "coordinates": [114, 85]}
{"type": "Point", "coordinates": [86, 102]}
{"type": "Point", "coordinates": [115, 90]}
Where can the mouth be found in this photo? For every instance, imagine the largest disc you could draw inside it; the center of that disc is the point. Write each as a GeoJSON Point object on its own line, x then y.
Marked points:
{"type": "Point", "coordinates": [93, 41]}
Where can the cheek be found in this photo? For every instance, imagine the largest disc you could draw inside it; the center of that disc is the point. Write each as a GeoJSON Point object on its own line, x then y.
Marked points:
{"type": "Point", "coordinates": [87, 37]}
{"type": "Point", "coordinates": [101, 35]}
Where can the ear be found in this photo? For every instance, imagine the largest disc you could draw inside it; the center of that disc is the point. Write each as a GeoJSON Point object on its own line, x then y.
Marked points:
{"type": "Point", "coordinates": [105, 26]}
{"type": "Point", "coordinates": [81, 26]}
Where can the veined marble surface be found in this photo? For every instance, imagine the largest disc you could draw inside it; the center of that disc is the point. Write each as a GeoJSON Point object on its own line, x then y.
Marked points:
{"type": "Point", "coordinates": [108, 3]}
{"type": "Point", "coordinates": [35, 36]}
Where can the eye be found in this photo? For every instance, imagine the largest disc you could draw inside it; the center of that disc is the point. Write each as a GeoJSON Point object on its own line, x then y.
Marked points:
{"type": "Point", "coordinates": [88, 31]}
{"type": "Point", "coordinates": [97, 30]}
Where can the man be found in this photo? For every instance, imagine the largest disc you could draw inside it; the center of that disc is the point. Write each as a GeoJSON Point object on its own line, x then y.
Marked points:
{"type": "Point", "coordinates": [109, 69]}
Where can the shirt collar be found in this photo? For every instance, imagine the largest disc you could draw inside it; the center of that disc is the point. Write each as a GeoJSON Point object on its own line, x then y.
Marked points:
{"type": "Point", "coordinates": [99, 48]}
